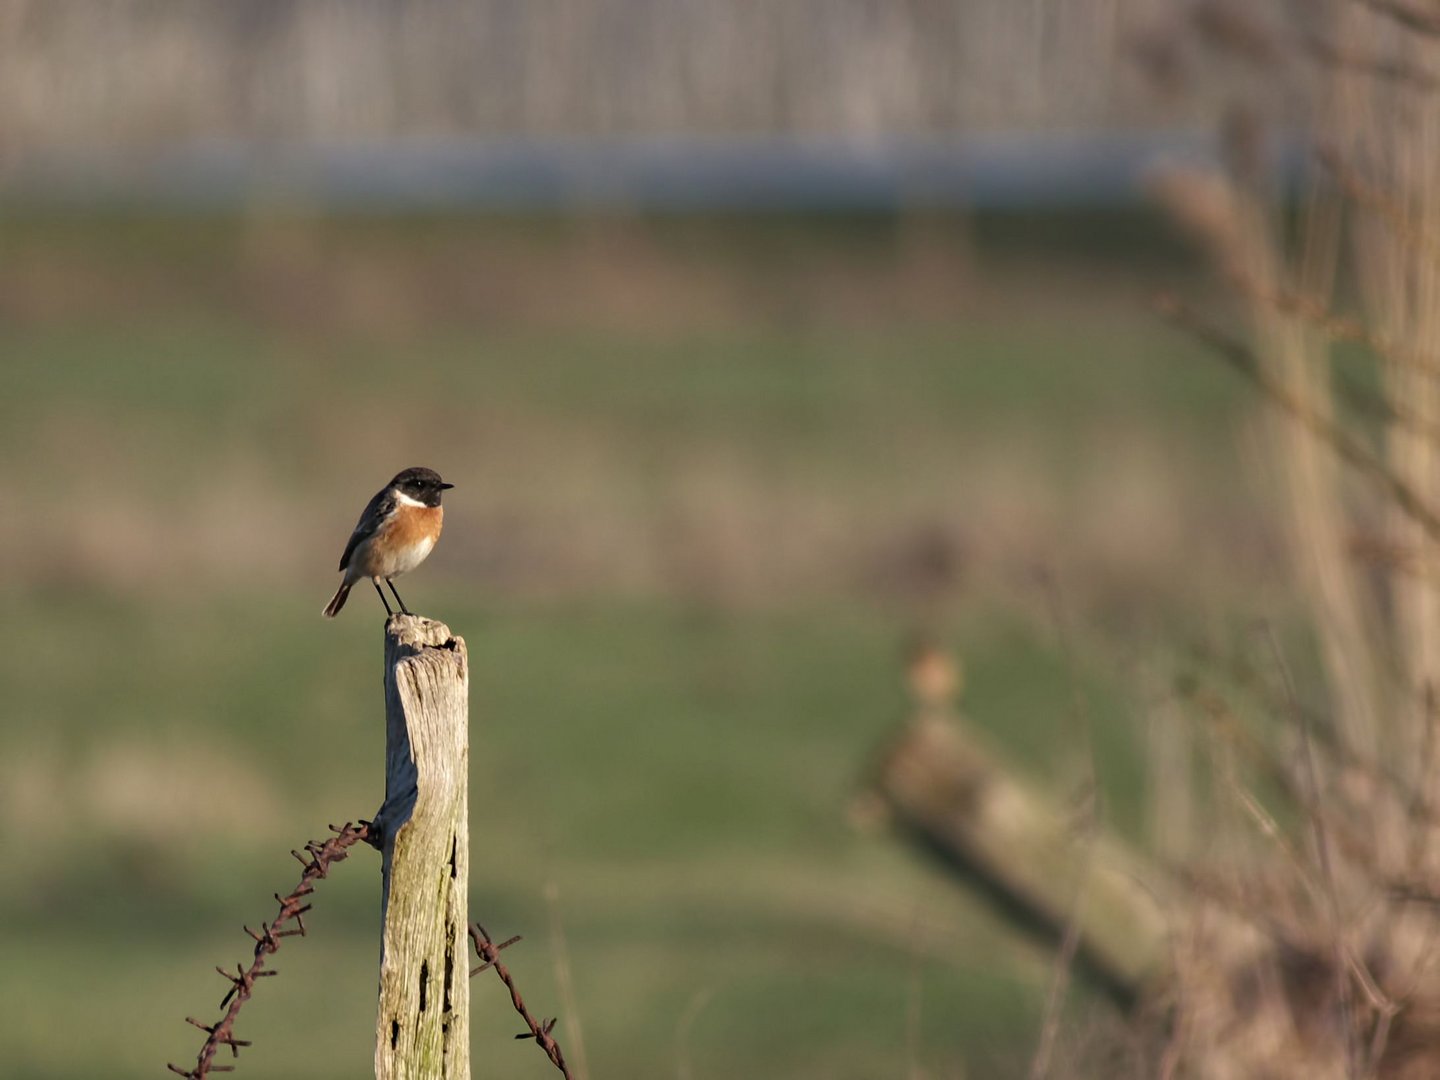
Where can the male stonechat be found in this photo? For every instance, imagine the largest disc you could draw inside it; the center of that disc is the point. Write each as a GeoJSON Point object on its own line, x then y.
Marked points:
{"type": "Point", "coordinates": [397, 530]}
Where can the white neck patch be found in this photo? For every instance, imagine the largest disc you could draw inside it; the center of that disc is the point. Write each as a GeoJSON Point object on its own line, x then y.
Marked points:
{"type": "Point", "coordinates": [406, 500]}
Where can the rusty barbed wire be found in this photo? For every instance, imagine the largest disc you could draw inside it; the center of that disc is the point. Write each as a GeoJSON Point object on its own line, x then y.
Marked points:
{"type": "Point", "coordinates": [317, 860]}
{"type": "Point", "coordinates": [539, 1030]}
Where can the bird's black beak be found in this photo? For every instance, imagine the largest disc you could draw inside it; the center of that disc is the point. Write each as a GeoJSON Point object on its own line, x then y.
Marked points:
{"type": "Point", "coordinates": [446, 487]}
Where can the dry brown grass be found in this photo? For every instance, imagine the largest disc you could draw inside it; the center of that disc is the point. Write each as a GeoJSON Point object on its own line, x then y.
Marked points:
{"type": "Point", "coordinates": [1297, 860]}
{"type": "Point", "coordinates": [1307, 942]}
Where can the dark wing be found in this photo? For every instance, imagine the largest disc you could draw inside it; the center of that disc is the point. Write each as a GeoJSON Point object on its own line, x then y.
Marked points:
{"type": "Point", "coordinates": [376, 511]}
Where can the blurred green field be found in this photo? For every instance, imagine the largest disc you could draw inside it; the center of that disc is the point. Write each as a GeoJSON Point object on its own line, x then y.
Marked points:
{"type": "Point", "coordinates": [711, 474]}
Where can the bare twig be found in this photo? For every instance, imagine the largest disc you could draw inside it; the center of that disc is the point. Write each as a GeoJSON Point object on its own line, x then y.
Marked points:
{"type": "Point", "coordinates": [1226, 726]}
{"type": "Point", "coordinates": [1060, 972]}
{"type": "Point", "coordinates": [1089, 819]}
{"type": "Point", "coordinates": [565, 983]}
{"type": "Point", "coordinates": [317, 860]}
{"type": "Point", "coordinates": [539, 1029]}
{"type": "Point", "coordinates": [1370, 196]}
{"type": "Point", "coordinates": [1343, 58]}
{"type": "Point", "coordinates": [1351, 449]}
{"type": "Point", "coordinates": [1420, 810]}
{"type": "Point", "coordinates": [1347, 957]}
{"type": "Point", "coordinates": [1336, 327]}
{"type": "Point", "coordinates": [1364, 401]}
{"type": "Point", "coordinates": [1408, 15]}
{"type": "Point", "coordinates": [1322, 853]}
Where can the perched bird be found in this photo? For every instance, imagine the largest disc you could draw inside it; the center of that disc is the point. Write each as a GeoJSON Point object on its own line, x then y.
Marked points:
{"type": "Point", "coordinates": [397, 530]}
{"type": "Point", "coordinates": [932, 676]}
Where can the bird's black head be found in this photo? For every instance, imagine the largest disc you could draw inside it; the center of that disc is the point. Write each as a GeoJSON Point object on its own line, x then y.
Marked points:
{"type": "Point", "coordinates": [422, 485]}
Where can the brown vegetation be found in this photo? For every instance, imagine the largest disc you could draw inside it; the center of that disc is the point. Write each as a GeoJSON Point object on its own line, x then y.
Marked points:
{"type": "Point", "coordinates": [1300, 878]}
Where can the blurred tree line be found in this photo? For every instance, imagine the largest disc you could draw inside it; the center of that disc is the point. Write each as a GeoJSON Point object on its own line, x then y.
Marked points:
{"type": "Point", "coordinates": [136, 72]}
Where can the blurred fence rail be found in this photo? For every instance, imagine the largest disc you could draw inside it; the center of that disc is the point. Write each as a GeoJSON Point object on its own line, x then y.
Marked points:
{"type": "Point", "coordinates": [138, 72]}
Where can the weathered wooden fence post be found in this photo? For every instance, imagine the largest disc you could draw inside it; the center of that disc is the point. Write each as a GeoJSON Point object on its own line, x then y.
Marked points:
{"type": "Point", "coordinates": [423, 1028]}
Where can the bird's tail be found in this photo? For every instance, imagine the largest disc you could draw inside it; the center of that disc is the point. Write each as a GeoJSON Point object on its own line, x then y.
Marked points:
{"type": "Point", "coordinates": [337, 601]}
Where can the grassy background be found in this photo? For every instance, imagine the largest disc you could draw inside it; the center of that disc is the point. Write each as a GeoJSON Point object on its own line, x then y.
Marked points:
{"type": "Point", "coordinates": [710, 474]}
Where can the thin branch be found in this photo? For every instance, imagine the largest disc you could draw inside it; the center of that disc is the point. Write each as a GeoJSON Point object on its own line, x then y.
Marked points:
{"type": "Point", "coordinates": [1406, 14]}
{"type": "Point", "coordinates": [1226, 726]}
{"type": "Point", "coordinates": [1352, 450]}
{"type": "Point", "coordinates": [1366, 402]}
{"type": "Point", "coordinates": [1321, 840]}
{"type": "Point", "coordinates": [1342, 58]}
{"type": "Point", "coordinates": [1089, 820]}
{"type": "Point", "coordinates": [1060, 974]}
{"type": "Point", "coordinates": [1346, 956]}
{"type": "Point", "coordinates": [565, 983]}
{"type": "Point", "coordinates": [1383, 203]}
{"type": "Point", "coordinates": [1335, 327]}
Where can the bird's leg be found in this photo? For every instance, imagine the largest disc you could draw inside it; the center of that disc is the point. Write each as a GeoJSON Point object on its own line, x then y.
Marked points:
{"type": "Point", "coordinates": [382, 596]}
{"type": "Point", "coordinates": [403, 608]}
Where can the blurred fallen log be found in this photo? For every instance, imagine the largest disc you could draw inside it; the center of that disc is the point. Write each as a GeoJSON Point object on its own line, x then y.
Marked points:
{"type": "Point", "coordinates": [1018, 849]}
{"type": "Point", "coordinates": [1230, 971]}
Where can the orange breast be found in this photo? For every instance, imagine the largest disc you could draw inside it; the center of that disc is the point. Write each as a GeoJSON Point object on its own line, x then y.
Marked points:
{"type": "Point", "coordinates": [400, 545]}
{"type": "Point", "coordinates": [411, 525]}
